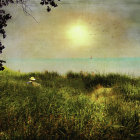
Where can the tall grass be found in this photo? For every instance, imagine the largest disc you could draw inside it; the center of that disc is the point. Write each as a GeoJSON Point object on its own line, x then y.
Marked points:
{"type": "Point", "coordinates": [62, 107]}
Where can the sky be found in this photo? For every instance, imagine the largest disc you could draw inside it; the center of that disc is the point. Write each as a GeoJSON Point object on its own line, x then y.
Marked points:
{"type": "Point", "coordinates": [75, 29]}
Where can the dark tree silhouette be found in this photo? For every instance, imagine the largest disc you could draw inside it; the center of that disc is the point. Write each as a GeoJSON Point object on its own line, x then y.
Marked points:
{"type": "Point", "coordinates": [4, 17]}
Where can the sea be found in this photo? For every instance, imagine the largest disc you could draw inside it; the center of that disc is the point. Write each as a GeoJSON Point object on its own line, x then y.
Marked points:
{"type": "Point", "coordinates": [128, 66]}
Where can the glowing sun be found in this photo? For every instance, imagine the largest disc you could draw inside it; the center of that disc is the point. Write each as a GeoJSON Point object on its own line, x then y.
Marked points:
{"type": "Point", "coordinates": [78, 35]}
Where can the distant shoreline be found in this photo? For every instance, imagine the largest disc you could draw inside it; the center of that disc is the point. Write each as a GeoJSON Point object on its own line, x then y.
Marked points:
{"type": "Point", "coordinates": [129, 66]}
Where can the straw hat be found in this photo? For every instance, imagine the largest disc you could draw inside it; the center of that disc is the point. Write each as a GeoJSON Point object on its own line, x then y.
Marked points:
{"type": "Point", "coordinates": [32, 79]}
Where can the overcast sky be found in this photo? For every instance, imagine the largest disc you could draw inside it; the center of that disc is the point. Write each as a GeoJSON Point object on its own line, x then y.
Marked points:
{"type": "Point", "coordinates": [113, 30]}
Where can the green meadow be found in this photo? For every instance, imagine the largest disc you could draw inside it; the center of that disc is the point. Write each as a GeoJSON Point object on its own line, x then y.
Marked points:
{"type": "Point", "coordinates": [69, 107]}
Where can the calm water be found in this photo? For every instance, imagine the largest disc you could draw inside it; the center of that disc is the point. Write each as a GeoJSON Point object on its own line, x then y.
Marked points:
{"type": "Point", "coordinates": [129, 66]}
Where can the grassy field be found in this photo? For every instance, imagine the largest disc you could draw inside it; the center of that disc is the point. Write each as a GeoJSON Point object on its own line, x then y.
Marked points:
{"type": "Point", "coordinates": [74, 106]}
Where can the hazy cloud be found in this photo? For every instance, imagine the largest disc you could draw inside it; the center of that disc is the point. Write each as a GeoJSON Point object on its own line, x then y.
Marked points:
{"type": "Point", "coordinates": [114, 26]}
